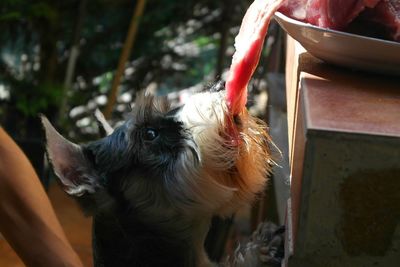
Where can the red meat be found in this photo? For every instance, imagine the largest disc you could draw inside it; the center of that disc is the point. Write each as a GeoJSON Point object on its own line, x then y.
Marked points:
{"type": "Point", "coordinates": [387, 13]}
{"type": "Point", "coordinates": [338, 14]}
{"type": "Point", "coordinates": [248, 44]}
{"type": "Point", "coordinates": [333, 14]}
{"type": "Point", "coordinates": [296, 9]}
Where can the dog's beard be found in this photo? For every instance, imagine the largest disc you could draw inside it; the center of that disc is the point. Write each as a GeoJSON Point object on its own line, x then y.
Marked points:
{"type": "Point", "coordinates": [231, 172]}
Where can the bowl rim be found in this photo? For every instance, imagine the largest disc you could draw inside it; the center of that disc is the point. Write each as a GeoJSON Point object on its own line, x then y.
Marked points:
{"type": "Point", "coordinates": [287, 19]}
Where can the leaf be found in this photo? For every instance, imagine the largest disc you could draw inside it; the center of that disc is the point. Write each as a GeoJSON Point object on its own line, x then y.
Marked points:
{"type": "Point", "coordinates": [10, 16]}
{"type": "Point", "coordinates": [43, 10]}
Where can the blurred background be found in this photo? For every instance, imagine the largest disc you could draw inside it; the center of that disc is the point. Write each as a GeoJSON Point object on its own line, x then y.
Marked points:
{"type": "Point", "coordinates": [60, 57]}
{"type": "Point", "coordinates": [67, 58]}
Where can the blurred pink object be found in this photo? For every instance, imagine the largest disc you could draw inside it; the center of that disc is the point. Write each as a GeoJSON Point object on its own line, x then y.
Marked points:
{"type": "Point", "coordinates": [333, 14]}
{"type": "Point", "coordinates": [387, 13]}
{"type": "Point", "coordinates": [338, 14]}
{"type": "Point", "coordinates": [248, 45]}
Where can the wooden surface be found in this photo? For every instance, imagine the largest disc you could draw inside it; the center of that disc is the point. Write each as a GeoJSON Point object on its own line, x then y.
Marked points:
{"type": "Point", "coordinates": [293, 52]}
{"type": "Point", "coordinates": [344, 131]}
{"type": "Point", "coordinates": [343, 101]}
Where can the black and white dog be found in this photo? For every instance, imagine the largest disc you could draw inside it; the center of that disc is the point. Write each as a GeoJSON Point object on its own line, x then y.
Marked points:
{"type": "Point", "coordinates": [154, 184]}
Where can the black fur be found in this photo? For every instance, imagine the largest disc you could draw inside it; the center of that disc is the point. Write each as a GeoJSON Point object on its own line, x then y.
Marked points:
{"type": "Point", "coordinates": [121, 237]}
{"type": "Point", "coordinates": [136, 186]}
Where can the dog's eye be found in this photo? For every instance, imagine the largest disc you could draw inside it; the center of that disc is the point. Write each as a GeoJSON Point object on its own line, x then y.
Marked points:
{"type": "Point", "coordinates": [149, 134]}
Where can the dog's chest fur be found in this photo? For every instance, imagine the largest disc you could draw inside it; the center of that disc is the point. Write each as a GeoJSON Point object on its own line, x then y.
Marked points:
{"type": "Point", "coordinates": [121, 240]}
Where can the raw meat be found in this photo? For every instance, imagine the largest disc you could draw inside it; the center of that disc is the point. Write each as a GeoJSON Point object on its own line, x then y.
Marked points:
{"type": "Point", "coordinates": [386, 13]}
{"type": "Point", "coordinates": [296, 9]}
{"type": "Point", "coordinates": [333, 14]}
{"type": "Point", "coordinates": [248, 44]}
{"type": "Point", "coordinates": [338, 14]}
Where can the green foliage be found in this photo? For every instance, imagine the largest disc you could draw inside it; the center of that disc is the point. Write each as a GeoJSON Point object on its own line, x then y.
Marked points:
{"type": "Point", "coordinates": [43, 10]}
{"type": "Point", "coordinates": [33, 100]}
{"type": "Point", "coordinates": [14, 2]}
{"type": "Point", "coordinates": [10, 16]}
{"type": "Point", "coordinates": [13, 10]}
{"type": "Point", "coordinates": [105, 82]}
{"type": "Point", "coordinates": [202, 41]}
{"type": "Point", "coordinates": [43, 31]}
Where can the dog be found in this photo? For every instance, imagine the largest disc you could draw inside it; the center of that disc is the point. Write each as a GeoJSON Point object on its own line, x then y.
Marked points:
{"type": "Point", "coordinates": [153, 185]}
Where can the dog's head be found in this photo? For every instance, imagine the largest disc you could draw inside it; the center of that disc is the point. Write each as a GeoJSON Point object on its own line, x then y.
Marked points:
{"type": "Point", "coordinates": [167, 160]}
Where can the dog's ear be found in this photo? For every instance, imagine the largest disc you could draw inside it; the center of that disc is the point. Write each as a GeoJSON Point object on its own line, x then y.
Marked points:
{"type": "Point", "coordinates": [70, 164]}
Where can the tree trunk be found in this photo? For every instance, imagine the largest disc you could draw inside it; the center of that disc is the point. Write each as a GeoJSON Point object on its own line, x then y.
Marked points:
{"type": "Point", "coordinates": [227, 10]}
{"type": "Point", "coordinates": [130, 39]}
{"type": "Point", "coordinates": [48, 56]}
{"type": "Point", "coordinates": [73, 58]}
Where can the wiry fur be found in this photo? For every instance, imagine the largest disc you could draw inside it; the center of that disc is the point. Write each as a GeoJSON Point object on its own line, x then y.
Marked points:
{"type": "Point", "coordinates": [238, 167]}
{"type": "Point", "coordinates": [153, 199]}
